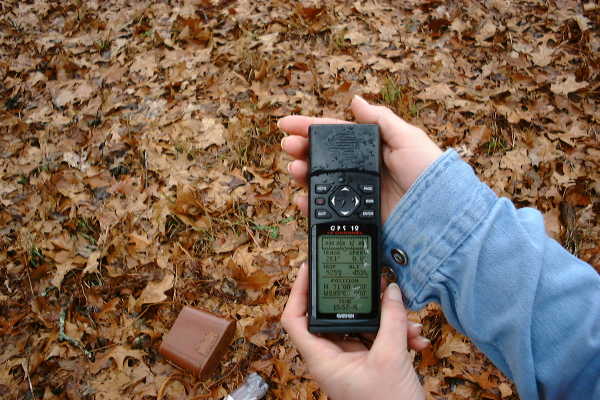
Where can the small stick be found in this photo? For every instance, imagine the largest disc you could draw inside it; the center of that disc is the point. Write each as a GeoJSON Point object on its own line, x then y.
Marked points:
{"type": "Point", "coordinates": [26, 368]}
{"type": "Point", "coordinates": [63, 337]}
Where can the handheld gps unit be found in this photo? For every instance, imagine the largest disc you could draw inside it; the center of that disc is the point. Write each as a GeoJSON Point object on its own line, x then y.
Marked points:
{"type": "Point", "coordinates": [344, 228]}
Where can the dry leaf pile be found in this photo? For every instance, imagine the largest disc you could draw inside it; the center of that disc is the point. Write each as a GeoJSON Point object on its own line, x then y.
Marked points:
{"type": "Point", "coordinates": [140, 168]}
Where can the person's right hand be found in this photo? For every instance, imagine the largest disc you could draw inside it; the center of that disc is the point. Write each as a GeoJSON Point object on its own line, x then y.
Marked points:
{"type": "Point", "coordinates": [344, 367]}
{"type": "Point", "coordinates": [407, 150]}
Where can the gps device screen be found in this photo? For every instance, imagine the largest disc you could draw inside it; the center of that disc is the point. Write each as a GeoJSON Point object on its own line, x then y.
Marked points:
{"type": "Point", "coordinates": [344, 268]}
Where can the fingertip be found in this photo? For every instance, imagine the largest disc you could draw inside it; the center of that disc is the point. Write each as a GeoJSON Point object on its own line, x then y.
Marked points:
{"type": "Point", "coordinates": [296, 146]}
{"type": "Point", "coordinates": [419, 343]}
{"type": "Point", "coordinates": [301, 202]}
{"type": "Point", "coordinates": [297, 301]}
{"type": "Point", "coordinates": [291, 166]}
{"type": "Point", "coordinates": [303, 267]}
{"type": "Point", "coordinates": [362, 110]}
{"type": "Point", "coordinates": [358, 99]}
{"type": "Point", "coordinates": [282, 123]}
{"type": "Point", "coordinates": [298, 169]}
{"type": "Point", "coordinates": [295, 124]}
{"type": "Point", "coordinates": [393, 293]}
{"type": "Point", "coordinates": [393, 325]}
{"type": "Point", "coordinates": [301, 273]}
{"type": "Point", "coordinates": [414, 329]}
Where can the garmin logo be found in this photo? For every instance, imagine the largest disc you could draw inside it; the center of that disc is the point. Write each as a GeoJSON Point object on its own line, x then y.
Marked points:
{"type": "Point", "coordinates": [344, 316]}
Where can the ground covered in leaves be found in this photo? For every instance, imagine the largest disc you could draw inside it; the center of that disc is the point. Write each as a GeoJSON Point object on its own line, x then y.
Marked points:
{"type": "Point", "coordinates": [140, 168]}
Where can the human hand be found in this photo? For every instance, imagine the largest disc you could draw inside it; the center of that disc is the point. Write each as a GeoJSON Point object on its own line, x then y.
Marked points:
{"type": "Point", "coordinates": [407, 150]}
{"type": "Point", "coordinates": [346, 369]}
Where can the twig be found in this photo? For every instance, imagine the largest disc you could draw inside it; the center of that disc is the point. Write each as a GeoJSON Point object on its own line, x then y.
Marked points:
{"type": "Point", "coordinates": [144, 312]}
{"type": "Point", "coordinates": [175, 266]}
{"type": "Point", "coordinates": [26, 262]}
{"type": "Point", "coordinates": [26, 368]}
{"type": "Point", "coordinates": [29, 279]}
{"type": "Point", "coordinates": [63, 337]}
{"type": "Point", "coordinates": [144, 158]}
{"type": "Point", "coordinates": [252, 236]}
{"type": "Point", "coordinates": [175, 282]}
{"type": "Point", "coordinates": [83, 292]}
{"type": "Point", "coordinates": [108, 346]}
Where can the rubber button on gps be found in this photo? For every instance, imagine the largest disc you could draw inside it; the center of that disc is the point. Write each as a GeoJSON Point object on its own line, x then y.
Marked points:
{"type": "Point", "coordinates": [367, 213]}
{"type": "Point", "coordinates": [322, 189]}
{"type": "Point", "coordinates": [344, 201]}
{"type": "Point", "coordinates": [320, 201]}
{"type": "Point", "coordinates": [321, 214]}
{"type": "Point", "coordinates": [367, 188]}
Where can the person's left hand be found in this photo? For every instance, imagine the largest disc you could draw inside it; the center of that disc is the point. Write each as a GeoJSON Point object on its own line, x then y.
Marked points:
{"type": "Point", "coordinates": [347, 369]}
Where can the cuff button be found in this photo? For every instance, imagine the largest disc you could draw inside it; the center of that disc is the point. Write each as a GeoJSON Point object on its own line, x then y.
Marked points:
{"type": "Point", "coordinates": [399, 256]}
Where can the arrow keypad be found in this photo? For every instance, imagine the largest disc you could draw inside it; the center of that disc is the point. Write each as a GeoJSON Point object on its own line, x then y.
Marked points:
{"type": "Point", "coordinates": [346, 200]}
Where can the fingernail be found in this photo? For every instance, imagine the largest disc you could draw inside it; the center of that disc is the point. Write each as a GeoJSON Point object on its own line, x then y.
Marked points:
{"type": "Point", "coordinates": [426, 341]}
{"type": "Point", "coordinates": [289, 167]}
{"type": "Point", "coordinates": [416, 327]}
{"type": "Point", "coordinates": [360, 98]}
{"type": "Point", "coordinates": [283, 140]}
{"type": "Point", "coordinates": [415, 324]}
{"type": "Point", "coordinates": [393, 292]}
{"type": "Point", "coordinates": [279, 123]}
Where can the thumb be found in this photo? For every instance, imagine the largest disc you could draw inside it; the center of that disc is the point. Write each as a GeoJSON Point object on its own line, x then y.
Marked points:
{"type": "Point", "coordinates": [395, 131]}
{"type": "Point", "coordinates": [393, 327]}
{"type": "Point", "coordinates": [407, 150]}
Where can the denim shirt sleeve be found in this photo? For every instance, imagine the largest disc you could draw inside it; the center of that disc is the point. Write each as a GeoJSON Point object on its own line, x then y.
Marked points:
{"type": "Point", "coordinates": [528, 304]}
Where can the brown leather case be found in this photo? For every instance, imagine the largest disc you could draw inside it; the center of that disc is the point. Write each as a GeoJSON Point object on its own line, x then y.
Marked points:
{"type": "Point", "coordinates": [197, 340]}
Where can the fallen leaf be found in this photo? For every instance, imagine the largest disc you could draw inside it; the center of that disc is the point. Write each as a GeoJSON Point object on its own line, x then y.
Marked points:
{"type": "Point", "coordinates": [505, 390]}
{"type": "Point", "coordinates": [543, 56]}
{"type": "Point", "coordinates": [144, 64]}
{"type": "Point", "coordinates": [488, 30]}
{"type": "Point", "coordinates": [92, 263]}
{"type": "Point", "coordinates": [228, 243]}
{"type": "Point", "coordinates": [59, 274]}
{"type": "Point", "coordinates": [119, 354]}
{"type": "Point", "coordinates": [440, 91]}
{"type": "Point", "coordinates": [154, 292]}
{"type": "Point", "coordinates": [451, 342]}
{"type": "Point", "coordinates": [567, 84]}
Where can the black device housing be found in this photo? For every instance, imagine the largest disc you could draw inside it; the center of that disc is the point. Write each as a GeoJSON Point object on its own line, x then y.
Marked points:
{"type": "Point", "coordinates": [344, 156]}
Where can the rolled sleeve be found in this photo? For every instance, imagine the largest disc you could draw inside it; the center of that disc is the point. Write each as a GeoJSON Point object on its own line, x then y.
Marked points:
{"type": "Point", "coordinates": [434, 217]}
{"type": "Point", "coordinates": [528, 304]}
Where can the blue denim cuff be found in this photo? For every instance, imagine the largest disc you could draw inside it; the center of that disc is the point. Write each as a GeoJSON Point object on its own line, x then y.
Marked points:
{"type": "Point", "coordinates": [434, 217]}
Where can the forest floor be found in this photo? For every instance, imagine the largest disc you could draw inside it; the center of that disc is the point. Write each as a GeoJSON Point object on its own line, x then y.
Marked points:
{"type": "Point", "coordinates": [140, 169]}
